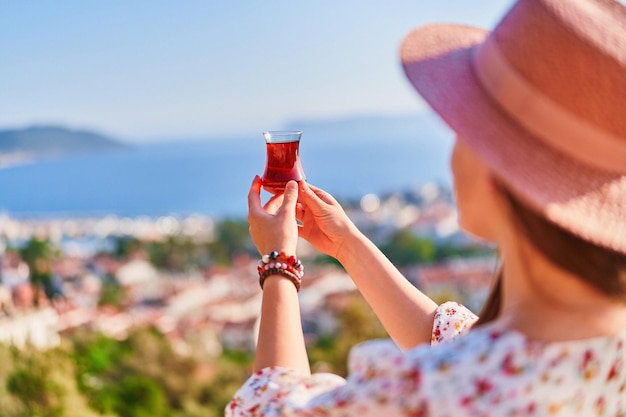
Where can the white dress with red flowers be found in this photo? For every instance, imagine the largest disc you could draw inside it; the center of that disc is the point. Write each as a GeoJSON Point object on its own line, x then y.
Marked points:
{"type": "Point", "coordinates": [486, 372]}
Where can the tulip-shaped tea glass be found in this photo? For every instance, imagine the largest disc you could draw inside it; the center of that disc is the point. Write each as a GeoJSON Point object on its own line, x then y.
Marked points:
{"type": "Point", "coordinates": [283, 160]}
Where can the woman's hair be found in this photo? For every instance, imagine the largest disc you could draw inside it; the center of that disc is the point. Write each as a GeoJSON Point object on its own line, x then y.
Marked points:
{"type": "Point", "coordinates": [491, 307]}
{"type": "Point", "coordinates": [602, 268]}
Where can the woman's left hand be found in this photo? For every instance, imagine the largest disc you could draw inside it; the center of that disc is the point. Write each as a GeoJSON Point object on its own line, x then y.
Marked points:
{"type": "Point", "coordinates": [273, 226]}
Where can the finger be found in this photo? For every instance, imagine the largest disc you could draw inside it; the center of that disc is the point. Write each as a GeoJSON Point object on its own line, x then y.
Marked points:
{"type": "Point", "coordinates": [274, 203]}
{"type": "Point", "coordinates": [312, 199]}
{"type": "Point", "coordinates": [301, 214]}
{"type": "Point", "coordinates": [323, 195]}
{"type": "Point", "coordinates": [299, 210]}
{"type": "Point", "coordinates": [254, 195]}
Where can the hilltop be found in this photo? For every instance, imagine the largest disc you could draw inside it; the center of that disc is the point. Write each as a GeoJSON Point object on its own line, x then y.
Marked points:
{"type": "Point", "coordinates": [37, 142]}
{"type": "Point", "coordinates": [421, 126]}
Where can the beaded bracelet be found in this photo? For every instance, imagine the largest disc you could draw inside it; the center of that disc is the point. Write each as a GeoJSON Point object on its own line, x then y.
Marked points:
{"type": "Point", "coordinates": [280, 264]}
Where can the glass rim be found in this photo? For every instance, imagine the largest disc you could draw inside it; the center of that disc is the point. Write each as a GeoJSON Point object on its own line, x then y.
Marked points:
{"type": "Point", "coordinates": [280, 136]}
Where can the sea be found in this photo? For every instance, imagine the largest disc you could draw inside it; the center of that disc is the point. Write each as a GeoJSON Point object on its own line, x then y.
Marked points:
{"type": "Point", "coordinates": [211, 177]}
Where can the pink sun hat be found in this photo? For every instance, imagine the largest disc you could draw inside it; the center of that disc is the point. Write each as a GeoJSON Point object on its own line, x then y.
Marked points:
{"type": "Point", "coordinates": [542, 99]}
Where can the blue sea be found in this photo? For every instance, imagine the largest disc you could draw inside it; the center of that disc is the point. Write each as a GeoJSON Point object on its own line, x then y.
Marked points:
{"type": "Point", "coordinates": [210, 177]}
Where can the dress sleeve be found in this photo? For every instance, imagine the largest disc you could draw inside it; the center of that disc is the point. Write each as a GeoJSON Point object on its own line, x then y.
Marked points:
{"type": "Point", "coordinates": [269, 391]}
{"type": "Point", "coordinates": [451, 320]}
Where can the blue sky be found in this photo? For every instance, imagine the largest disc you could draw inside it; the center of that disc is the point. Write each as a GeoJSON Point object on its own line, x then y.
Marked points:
{"type": "Point", "coordinates": [144, 70]}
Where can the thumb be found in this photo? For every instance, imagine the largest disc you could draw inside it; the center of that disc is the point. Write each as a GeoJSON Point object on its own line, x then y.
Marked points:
{"type": "Point", "coordinates": [290, 197]}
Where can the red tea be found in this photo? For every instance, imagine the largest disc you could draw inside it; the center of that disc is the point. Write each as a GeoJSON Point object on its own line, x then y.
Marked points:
{"type": "Point", "coordinates": [283, 164]}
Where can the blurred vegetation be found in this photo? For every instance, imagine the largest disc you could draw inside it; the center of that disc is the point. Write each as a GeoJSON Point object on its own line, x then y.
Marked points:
{"type": "Point", "coordinates": [40, 383]}
{"type": "Point", "coordinates": [37, 253]}
{"type": "Point", "coordinates": [141, 376]}
{"type": "Point", "coordinates": [181, 253]}
{"type": "Point", "coordinates": [404, 249]}
{"type": "Point", "coordinates": [232, 238]}
{"type": "Point", "coordinates": [94, 375]}
{"type": "Point", "coordinates": [111, 293]}
{"type": "Point", "coordinates": [231, 371]}
{"type": "Point", "coordinates": [357, 323]}
{"type": "Point", "coordinates": [138, 376]}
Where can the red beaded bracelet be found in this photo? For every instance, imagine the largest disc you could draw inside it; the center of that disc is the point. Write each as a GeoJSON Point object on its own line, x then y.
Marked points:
{"type": "Point", "coordinates": [280, 264]}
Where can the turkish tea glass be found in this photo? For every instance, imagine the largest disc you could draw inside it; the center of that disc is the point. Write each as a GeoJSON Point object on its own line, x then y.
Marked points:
{"type": "Point", "coordinates": [283, 160]}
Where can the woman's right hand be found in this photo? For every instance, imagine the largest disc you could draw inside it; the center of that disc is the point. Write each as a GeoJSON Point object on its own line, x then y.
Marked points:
{"type": "Point", "coordinates": [325, 224]}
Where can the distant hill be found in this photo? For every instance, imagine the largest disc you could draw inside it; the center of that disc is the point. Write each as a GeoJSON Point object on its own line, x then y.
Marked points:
{"type": "Point", "coordinates": [423, 126]}
{"type": "Point", "coordinates": [37, 142]}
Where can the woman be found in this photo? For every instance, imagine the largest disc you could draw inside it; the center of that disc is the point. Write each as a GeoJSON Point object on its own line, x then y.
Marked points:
{"type": "Point", "coordinates": [539, 167]}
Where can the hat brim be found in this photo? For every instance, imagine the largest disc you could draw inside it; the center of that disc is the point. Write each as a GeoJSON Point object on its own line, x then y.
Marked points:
{"type": "Point", "coordinates": [589, 203]}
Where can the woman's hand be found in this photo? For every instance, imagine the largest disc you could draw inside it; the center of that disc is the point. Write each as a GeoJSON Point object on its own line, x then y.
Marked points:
{"type": "Point", "coordinates": [325, 224]}
{"type": "Point", "coordinates": [273, 227]}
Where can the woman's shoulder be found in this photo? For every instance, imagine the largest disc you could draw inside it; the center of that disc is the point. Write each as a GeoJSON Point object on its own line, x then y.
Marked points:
{"type": "Point", "coordinates": [455, 358]}
{"type": "Point", "coordinates": [489, 364]}
{"type": "Point", "coordinates": [451, 320]}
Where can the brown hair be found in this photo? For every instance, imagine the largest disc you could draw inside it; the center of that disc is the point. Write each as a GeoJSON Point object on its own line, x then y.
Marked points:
{"type": "Point", "coordinates": [491, 307]}
{"type": "Point", "coordinates": [602, 268]}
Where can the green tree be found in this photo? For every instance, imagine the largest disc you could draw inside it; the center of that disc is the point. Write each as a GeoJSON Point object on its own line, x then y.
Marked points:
{"type": "Point", "coordinates": [446, 250]}
{"type": "Point", "coordinates": [139, 396]}
{"type": "Point", "coordinates": [405, 249]}
{"type": "Point", "coordinates": [39, 383]}
{"type": "Point", "coordinates": [232, 238]}
{"type": "Point", "coordinates": [36, 391]}
{"type": "Point", "coordinates": [125, 246]}
{"type": "Point", "coordinates": [38, 253]}
{"type": "Point", "coordinates": [231, 371]}
{"type": "Point", "coordinates": [112, 293]}
{"type": "Point", "coordinates": [178, 253]}
{"type": "Point", "coordinates": [358, 323]}
{"type": "Point", "coordinates": [142, 369]}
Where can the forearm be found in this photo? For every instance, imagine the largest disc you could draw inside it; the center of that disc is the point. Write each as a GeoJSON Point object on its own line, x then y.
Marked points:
{"type": "Point", "coordinates": [406, 313]}
{"type": "Point", "coordinates": [281, 341]}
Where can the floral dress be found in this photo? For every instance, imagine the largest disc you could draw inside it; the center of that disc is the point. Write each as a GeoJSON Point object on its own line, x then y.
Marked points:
{"type": "Point", "coordinates": [486, 372]}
